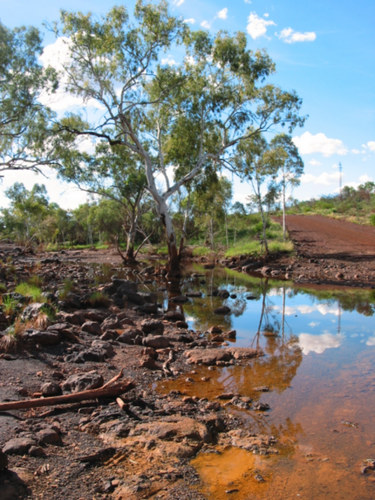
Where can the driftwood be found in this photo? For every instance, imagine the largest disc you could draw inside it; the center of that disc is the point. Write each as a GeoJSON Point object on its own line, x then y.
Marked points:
{"type": "Point", "coordinates": [110, 389]}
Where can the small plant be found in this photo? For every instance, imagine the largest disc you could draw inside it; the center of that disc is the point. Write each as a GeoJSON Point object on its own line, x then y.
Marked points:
{"type": "Point", "coordinates": [68, 287]}
{"type": "Point", "coordinates": [9, 305]}
{"type": "Point", "coordinates": [34, 293]}
{"type": "Point", "coordinates": [372, 219]}
{"type": "Point", "coordinates": [98, 299]}
{"type": "Point", "coordinates": [35, 280]}
{"type": "Point", "coordinates": [12, 340]}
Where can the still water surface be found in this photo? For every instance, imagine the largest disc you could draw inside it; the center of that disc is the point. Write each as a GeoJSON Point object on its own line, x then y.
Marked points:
{"type": "Point", "coordinates": [318, 368]}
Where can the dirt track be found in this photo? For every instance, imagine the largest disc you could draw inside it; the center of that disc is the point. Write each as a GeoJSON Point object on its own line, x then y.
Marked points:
{"type": "Point", "coordinates": [329, 252]}
{"type": "Point", "coordinates": [324, 237]}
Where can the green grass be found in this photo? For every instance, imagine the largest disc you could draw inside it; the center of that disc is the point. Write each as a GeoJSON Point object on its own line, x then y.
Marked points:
{"type": "Point", "coordinates": [201, 251]}
{"type": "Point", "coordinates": [9, 305]}
{"type": "Point", "coordinates": [255, 249]}
{"type": "Point", "coordinates": [31, 291]}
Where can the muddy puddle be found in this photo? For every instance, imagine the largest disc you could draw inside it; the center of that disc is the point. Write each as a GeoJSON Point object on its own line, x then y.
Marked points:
{"type": "Point", "coordinates": [316, 376]}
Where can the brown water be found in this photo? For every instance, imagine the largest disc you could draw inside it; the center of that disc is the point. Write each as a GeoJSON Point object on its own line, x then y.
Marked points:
{"type": "Point", "coordinates": [319, 372]}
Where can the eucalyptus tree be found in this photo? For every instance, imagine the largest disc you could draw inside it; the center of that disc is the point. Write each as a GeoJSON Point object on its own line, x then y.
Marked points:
{"type": "Point", "coordinates": [255, 163]}
{"type": "Point", "coordinates": [23, 220]}
{"type": "Point", "coordinates": [111, 172]}
{"type": "Point", "coordinates": [179, 120]}
{"type": "Point", "coordinates": [23, 119]}
{"type": "Point", "coordinates": [286, 157]}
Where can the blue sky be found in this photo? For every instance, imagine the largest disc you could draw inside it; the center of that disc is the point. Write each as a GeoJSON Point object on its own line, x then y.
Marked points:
{"type": "Point", "coordinates": [325, 50]}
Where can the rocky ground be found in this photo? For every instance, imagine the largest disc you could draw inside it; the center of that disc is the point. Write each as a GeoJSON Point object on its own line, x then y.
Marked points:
{"type": "Point", "coordinates": [136, 443]}
{"type": "Point", "coordinates": [130, 445]}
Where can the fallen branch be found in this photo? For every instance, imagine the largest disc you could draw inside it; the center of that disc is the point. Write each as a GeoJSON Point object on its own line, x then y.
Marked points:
{"type": "Point", "coordinates": [112, 390]}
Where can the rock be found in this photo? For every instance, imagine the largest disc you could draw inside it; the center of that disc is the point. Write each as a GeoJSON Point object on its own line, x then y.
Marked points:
{"type": "Point", "coordinates": [33, 310]}
{"type": "Point", "coordinates": [37, 451]}
{"type": "Point", "coordinates": [259, 406]}
{"type": "Point", "coordinates": [207, 356]}
{"type": "Point", "coordinates": [149, 308]}
{"type": "Point", "coordinates": [222, 310]}
{"type": "Point", "coordinates": [223, 294]}
{"type": "Point", "coordinates": [98, 315]}
{"type": "Point", "coordinates": [369, 465]}
{"type": "Point", "coordinates": [103, 347]}
{"type": "Point", "coordinates": [153, 326]}
{"type": "Point", "coordinates": [129, 336]}
{"type": "Point", "coordinates": [174, 316]}
{"type": "Point", "coordinates": [75, 318]}
{"type": "Point", "coordinates": [50, 389]}
{"type": "Point", "coordinates": [174, 428]}
{"type": "Point", "coordinates": [91, 327]}
{"type": "Point", "coordinates": [215, 329]}
{"type": "Point", "coordinates": [61, 328]}
{"type": "Point", "coordinates": [49, 436]}
{"type": "Point", "coordinates": [156, 341]}
{"type": "Point", "coordinates": [244, 352]}
{"type": "Point", "coordinates": [111, 323]}
{"type": "Point", "coordinates": [43, 338]}
{"type": "Point", "coordinates": [120, 287]}
{"type": "Point", "coordinates": [181, 324]}
{"type": "Point", "coordinates": [18, 446]}
{"type": "Point", "coordinates": [82, 382]}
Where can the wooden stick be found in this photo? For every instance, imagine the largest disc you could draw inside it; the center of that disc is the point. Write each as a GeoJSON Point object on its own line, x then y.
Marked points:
{"type": "Point", "coordinates": [105, 391]}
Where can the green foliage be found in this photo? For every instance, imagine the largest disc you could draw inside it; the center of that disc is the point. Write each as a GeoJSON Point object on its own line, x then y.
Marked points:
{"type": "Point", "coordinates": [33, 292]}
{"type": "Point", "coordinates": [199, 251]}
{"type": "Point", "coordinates": [10, 305]}
{"type": "Point", "coordinates": [23, 119]}
{"type": "Point", "coordinates": [357, 205]}
{"type": "Point", "coordinates": [98, 299]}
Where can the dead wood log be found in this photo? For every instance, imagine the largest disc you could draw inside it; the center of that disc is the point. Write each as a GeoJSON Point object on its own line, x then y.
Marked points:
{"type": "Point", "coordinates": [112, 390]}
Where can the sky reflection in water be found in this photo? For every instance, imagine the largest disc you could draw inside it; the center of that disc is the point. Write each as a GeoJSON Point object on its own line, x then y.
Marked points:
{"type": "Point", "coordinates": [318, 367]}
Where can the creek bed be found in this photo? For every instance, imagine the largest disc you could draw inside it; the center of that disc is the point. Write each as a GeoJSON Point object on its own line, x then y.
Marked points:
{"type": "Point", "coordinates": [317, 376]}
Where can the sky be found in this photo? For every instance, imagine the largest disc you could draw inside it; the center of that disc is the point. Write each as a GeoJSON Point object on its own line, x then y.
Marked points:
{"type": "Point", "coordinates": [323, 49]}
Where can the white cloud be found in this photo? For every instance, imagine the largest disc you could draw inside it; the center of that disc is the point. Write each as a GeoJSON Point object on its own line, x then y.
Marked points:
{"type": "Point", "coordinates": [223, 13]}
{"type": "Point", "coordinates": [247, 1]}
{"type": "Point", "coordinates": [169, 61]}
{"type": "Point", "coordinates": [57, 55]}
{"type": "Point", "coordinates": [206, 25]}
{"type": "Point", "coordinates": [324, 179]}
{"type": "Point", "coordinates": [178, 2]}
{"type": "Point", "coordinates": [66, 195]}
{"type": "Point", "coordinates": [315, 163]}
{"type": "Point", "coordinates": [370, 341]}
{"type": "Point", "coordinates": [190, 20]}
{"type": "Point", "coordinates": [370, 146]}
{"type": "Point", "coordinates": [288, 35]}
{"type": "Point", "coordinates": [308, 143]}
{"type": "Point", "coordinates": [257, 26]}
{"type": "Point", "coordinates": [319, 343]}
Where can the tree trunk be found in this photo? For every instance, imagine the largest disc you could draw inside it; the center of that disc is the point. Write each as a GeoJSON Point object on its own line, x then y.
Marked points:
{"type": "Point", "coordinates": [264, 225]}
{"type": "Point", "coordinates": [284, 216]}
{"type": "Point", "coordinates": [173, 266]}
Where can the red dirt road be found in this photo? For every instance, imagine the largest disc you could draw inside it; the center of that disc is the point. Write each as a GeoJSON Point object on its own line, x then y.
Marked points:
{"type": "Point", "coordinates": [327, 252]}
{"type": "Point", "coordinates": [318, 236]}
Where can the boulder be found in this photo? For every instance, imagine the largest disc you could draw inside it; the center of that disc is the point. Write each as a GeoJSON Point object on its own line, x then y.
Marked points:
{"type": "Point", "coordinates": [82, 382]}
{"type": "Point", "coordinates": [92, 327]}
{"type": "Point", "coordinates": [18, 446]}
